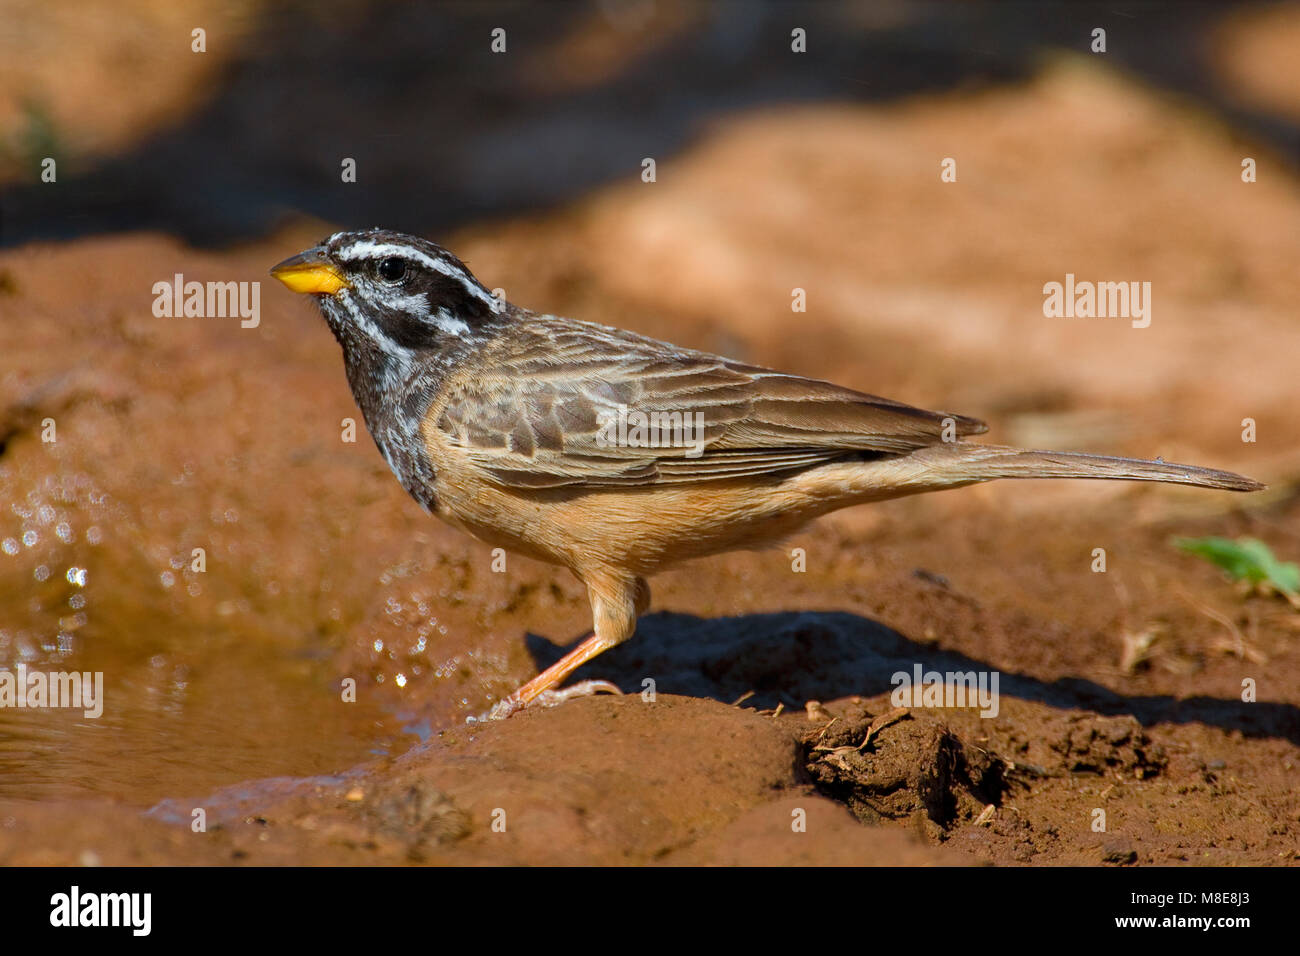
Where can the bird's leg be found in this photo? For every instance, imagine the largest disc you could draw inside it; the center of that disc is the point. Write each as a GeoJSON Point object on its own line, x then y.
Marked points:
{"type": "Point", "coordinates": [615, 602]}
{"type": "Point", "coordinates": [541, 688]}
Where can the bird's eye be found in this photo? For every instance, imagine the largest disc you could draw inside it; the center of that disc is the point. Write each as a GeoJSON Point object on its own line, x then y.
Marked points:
{"type": "Point", "coordinates": [391, 269]}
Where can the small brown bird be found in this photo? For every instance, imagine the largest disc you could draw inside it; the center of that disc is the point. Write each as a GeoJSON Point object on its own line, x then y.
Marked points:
{"type": "Point", "coordinates": [616, 455]}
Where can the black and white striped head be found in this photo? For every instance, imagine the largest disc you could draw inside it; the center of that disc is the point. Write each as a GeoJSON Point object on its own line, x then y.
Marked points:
{"type": "Point", "coordinates": [393, 292]}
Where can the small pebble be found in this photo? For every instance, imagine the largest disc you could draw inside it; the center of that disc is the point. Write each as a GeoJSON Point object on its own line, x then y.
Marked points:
{"type": "Point", "coordinates": [816, 712]}
{"type": "Point", "coordinates": [1119, 851]}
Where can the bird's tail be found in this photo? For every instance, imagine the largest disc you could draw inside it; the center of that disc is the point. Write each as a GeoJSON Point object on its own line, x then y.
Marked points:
{"type": "Point", "coordinates": [966, 463]}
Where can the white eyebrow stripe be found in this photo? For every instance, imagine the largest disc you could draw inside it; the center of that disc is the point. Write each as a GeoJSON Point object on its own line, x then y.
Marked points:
{"type": "Point", "coordinates": [368, 249]}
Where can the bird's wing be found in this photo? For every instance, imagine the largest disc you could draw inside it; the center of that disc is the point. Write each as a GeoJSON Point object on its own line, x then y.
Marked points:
{"type": "Point", "coordinates": [565, 403]}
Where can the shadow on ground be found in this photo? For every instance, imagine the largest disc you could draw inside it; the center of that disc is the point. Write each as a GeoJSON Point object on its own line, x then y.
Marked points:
{"type": "Point", "coordinates": [794, 657]}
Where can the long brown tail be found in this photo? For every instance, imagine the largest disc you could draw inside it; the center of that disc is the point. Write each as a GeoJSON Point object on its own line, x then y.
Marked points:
{"type": "Point", "coordinates": [973, 462]}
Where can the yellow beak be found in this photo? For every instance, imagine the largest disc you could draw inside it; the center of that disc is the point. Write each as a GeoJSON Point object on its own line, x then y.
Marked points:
{"type": "Point", "coordinates": [310, 272]}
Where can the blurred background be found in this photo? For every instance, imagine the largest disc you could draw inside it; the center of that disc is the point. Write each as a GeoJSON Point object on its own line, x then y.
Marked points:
{"type": "Point", "coordinates": [775, 170]}
{"type": "Point", "coordinates": [225, 145]}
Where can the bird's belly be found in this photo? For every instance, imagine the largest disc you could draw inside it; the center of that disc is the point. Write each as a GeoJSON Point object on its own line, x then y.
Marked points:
{"type": "Point", "coordinates": [642, 529]}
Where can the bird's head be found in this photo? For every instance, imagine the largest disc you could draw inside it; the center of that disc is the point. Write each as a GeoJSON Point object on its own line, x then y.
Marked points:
{"type": "Point", "coordinates": [390, 291]}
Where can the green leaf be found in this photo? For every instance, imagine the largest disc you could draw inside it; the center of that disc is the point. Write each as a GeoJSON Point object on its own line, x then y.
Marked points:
{"type": "Point", "coordinates": [1246, 559]}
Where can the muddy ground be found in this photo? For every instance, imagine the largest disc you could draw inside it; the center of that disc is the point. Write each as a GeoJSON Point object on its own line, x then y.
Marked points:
{"type": "Point", "coordinates": [770, 737]}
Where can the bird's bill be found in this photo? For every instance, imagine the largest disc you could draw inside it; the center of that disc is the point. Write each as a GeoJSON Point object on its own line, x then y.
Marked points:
{"type": "Point", "coordinates": [310, 272]}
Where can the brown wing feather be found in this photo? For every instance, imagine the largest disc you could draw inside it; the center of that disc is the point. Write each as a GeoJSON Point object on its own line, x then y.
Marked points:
{"type": "Point", "coordinates": [534, 419]}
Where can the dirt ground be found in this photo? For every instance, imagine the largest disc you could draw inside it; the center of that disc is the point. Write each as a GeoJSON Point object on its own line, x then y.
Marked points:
{"type": "Point", "coordinates": [770, 737]}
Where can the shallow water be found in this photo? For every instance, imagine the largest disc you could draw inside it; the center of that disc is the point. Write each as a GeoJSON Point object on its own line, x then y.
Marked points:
{"type": "Point", "coordinates": [192, 699]}
{"type": "Point", "coordinates": [170, 730]}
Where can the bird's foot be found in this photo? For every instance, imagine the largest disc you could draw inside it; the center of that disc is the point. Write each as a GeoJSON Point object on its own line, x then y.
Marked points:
{"type": "Point", "coordinates": [508, 706]}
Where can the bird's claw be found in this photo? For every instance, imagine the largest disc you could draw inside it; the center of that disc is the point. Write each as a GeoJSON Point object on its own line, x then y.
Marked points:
{"type": "Point", "coordinates": [509, 706]}
{"type": "Point", "coordinates": [584, 688]}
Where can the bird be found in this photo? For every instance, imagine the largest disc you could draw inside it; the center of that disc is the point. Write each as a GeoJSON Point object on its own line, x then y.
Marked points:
{"type": "Point", "coordinates": [616, 455]}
